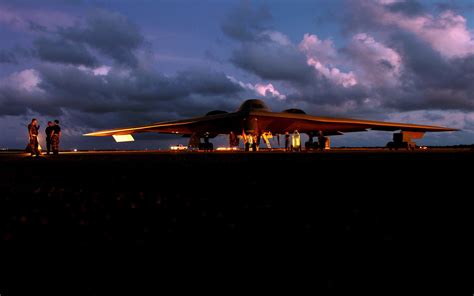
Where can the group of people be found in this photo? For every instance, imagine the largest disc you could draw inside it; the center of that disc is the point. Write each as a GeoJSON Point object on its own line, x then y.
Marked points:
{"type": "Point", "coordinates": [53, 134]}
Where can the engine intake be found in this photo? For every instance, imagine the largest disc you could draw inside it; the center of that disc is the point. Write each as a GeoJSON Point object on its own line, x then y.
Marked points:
{"type": "Point", "coordinates": [294, 111]}
{"type": "Point", "coordinates": [215, 112]}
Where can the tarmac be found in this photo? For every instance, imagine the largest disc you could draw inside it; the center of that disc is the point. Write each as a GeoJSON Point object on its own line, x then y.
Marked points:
{"type": "Point", "coordinates": [134, 196]}
{"type": "Point", "coordinates": [341, 207]}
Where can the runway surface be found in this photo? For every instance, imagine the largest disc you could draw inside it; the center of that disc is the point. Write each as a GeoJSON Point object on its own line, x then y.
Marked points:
{"type": "Point", "coordinates": [343, 206]}
{"type": "Point", "coordinates": [132, 196]}
{"type": "Point", "coordinates": [340, 195]}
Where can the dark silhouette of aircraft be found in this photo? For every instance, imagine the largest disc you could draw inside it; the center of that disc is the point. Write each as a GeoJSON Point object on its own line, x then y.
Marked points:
{"type": "Point", "coordinates": [254, 121]}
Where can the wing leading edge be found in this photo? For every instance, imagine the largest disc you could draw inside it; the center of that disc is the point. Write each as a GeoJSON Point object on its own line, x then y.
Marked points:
{"type": "Point", "coordinates": [309, 123]}
{"type": "Point", "coordinates": [187, 126]}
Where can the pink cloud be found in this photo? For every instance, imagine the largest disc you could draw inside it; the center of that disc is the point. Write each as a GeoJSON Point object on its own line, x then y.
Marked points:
{"type": "Point", "coordinates": [320, 54]}
{"type": "Point", "coordinates": [264, 89]}
{"type": "Point", "coordinates": [259, 88]}
{"type": "Point", "coordinates": [26, 80]}
{"type": "Point", "coordinates": [315, 47]}
{"type": "Point", "coordinates": [447, 33]}
{"type": "Point", "coordinates": [375, 63]}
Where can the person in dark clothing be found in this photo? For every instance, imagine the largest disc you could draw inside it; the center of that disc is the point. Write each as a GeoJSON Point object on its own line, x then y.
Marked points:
{"type": "Point", "coordinates": [56, 135]}
{"type": "Point", "coordinates": [287, 141]}
{"type": "Point", "coordinates": [49, 133]}
{"type": "Point", "coordinates": [33, 128]}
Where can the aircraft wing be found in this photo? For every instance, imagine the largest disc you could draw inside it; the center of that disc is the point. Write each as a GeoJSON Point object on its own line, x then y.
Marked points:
{"type": "Point", "coordinates": [210, 123]}
{"type": "Point", "coordinates": [279, 122]}
{"type": "Point", "coordinates": [275, 122]}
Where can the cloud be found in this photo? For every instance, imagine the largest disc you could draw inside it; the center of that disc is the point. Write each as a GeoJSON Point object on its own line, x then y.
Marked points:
{"type": "Point", "coordinates": [374, 63]}
{"type": "Point", "coordinates": [324, 50]}
{"type": "Point", "coordinates": [26, 80]}
{"type": "Point", "coordinates": [268, 89]}
{"type": "Point", "coordinates": [321, 54]}
{"type": "Point", "coordinates": [446, 32]}
{"type": "Point", "coordinates": [265, 90]}
{"type": "Point", "coordinates": [111, 33]}
{"type": "Point", "coordinates": [403, 60]}
{"type": "Point", "coordinates": [271, 55]}
{"type": "Point", "coordinates": [33, 20]}
{"type": "Point", "coordinates": [245, 21]}
{"type": "Point", "coordinates": [7, 57]}
{"type": "Point", "coordinates": [63, 51]}
{"type": "Point", "coordinates": [21, 90]}
{"type": "Point", "coordinates": [53, 88]}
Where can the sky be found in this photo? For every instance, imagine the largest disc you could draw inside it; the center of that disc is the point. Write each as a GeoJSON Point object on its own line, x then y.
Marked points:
{"type": "Point", "coordinates": [105, 64]}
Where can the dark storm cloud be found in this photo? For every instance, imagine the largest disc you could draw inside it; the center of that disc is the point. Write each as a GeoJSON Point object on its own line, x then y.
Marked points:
{"type": "Point", "coordinates": [408, 7]}
{"type": "Point", "coordinates": [126, 93]}
{"type": "Point", "coordinates": [271, 60]}
{"type": "Point", "coordinates": [7, 57]}
{"type": "Point", "coordinates": [76, 84]}
{"type": "Point", "coordinates": [454, 6]}
{"type": "Point", "coordinates": [35, 27]}
{"type": "Point", "coordinates": [429, 80]}
{"type": "Point", "coordinates": [63, 51]}
{"type": "Point", "coordinates": [245, 22]}
{"type": "Point", "coordinates": [112, 34]}
{"type": "Point", "coordinates": [260, 52]}
{"type": "Point", "coordinates": [206, 82]}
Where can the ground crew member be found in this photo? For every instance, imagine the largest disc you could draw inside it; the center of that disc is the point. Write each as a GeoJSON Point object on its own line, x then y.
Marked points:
{"type": "Point", "coordinates": [33, 134]}
{"type": "Point", "coordinates": [287, 141]}
{"type": "Point", "coordinates": [49, 132]}
{"type": "Point", "coordinates": [322, 141]}
{"type": "Point", "coordinates": [296, 141]}
{"type": "Point", "coordinates": [56, 135]}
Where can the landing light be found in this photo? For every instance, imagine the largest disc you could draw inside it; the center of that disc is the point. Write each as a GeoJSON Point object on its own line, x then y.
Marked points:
{"type": "Point", "coordinates": [75, 150]}
{"type": "Point", "coordinates": [227, 148]}
{"type": "Point", "coordinates": [179, 147]}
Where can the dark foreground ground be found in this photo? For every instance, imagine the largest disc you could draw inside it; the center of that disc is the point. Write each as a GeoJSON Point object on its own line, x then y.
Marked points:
{"type": "Point", "coordinates": [342, 206]}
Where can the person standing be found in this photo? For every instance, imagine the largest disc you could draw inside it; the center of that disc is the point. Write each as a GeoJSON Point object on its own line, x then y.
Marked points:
{"type": "Point", "coordinates": [33, 128]}
{"type": "Point", "coordinates": [287, 141]}
{"type": "Point", "coordinates": [296, 141]}
{"type": "Point", "coordinates": [56, 135]}
{"type": "Point", "coordinates": [49, 133]}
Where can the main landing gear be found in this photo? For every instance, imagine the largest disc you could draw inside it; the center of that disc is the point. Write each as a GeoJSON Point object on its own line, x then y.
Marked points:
{"type": "Point", "coordinates": [323, 142]}
{"type": "Point", "coordinates": [250, 146]}
{"type": "Point", "coordinates": [206, 146]}
{"type": "Point", "coordinates": [403, 140]}
{"type": "Point", "coordinates": [195, 142]}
